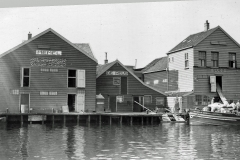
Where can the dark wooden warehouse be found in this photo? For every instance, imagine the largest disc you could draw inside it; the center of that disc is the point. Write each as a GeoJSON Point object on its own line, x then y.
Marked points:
{"type": "Point", "coordinates": [47, 72]}
{"type": "Point", "coordinates": [121, 87]}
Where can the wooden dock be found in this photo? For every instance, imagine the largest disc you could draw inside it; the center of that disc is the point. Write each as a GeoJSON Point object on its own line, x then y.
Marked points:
{"type": "Point", "coordinates": [109, 118]}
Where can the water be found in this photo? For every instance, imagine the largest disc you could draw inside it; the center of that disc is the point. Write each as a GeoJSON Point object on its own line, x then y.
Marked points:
{"type": "Point", "coordinates": [163, 141]}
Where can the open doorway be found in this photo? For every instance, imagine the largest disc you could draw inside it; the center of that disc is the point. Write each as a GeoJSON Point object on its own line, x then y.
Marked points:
{"type": "Point", "coordinates": [71, 102]}
{"type": "Point", "coordinates": [24, 103]}
{"type": "Point", "coordinates": [137, 107]}
{"type": "Point", "coordinates": [219, 80]}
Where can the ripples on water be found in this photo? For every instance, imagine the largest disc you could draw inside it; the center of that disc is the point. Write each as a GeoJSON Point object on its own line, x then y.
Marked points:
{"type": "Point", "coordinates": [164, 141]}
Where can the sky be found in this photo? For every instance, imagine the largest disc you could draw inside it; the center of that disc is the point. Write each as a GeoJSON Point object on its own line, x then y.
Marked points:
{"type": "Point", "coordinates": [126, 31]}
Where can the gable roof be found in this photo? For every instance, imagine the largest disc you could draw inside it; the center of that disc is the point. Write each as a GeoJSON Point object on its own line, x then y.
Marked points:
{"type": "Point", "coordinates": [86, 47]}
{"type": "Point", "coordinates": [193, 40]}
{"type": "Point", "coordinates": [60, 36]}
{"type": "Point", "coordinates": [103, 68]}
{"type": "Point", "coordinates": [159, 64]}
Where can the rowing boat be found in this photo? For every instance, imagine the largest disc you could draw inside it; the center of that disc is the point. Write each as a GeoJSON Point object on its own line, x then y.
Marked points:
{"type": "Point", "coordinates": [199, 117]}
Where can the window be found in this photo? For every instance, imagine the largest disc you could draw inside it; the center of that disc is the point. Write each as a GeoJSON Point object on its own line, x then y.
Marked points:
{"type": "Point", "coordinates": [198, 100]}
{"type": "Point", "coordinates": [215, 59]}
{"type": "Point", "coordinates": [25, 82]}
{"type": "Point", "coordinates": [160, 101]}
{"type": "Point", "coordinates": [232, 60]}
{"type": "Point", "coordinates": [147, 99]}
{"type": "Point", "coordinates": [72, 78]}
{"type": "Point", "coordinates": [186, 60]}
{"type": "Point", "coordinates": [116, 81]}
{"type": "Point", "coordinates": [202, 100]}
{"type": "Point", "coordinates": [202, 59]}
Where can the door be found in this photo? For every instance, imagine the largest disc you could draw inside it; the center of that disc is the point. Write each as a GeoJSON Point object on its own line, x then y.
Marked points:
{"type": "Point", "coordinates": [24, 103]}
{"type": "Point", "coordinates": [137, 107]}
{"type": "Point", "coordinates": [113, 103]}
{"type": "Point", "coordinates": [71, 102]}
{"type": "Point", "coordinates": [80, 101]}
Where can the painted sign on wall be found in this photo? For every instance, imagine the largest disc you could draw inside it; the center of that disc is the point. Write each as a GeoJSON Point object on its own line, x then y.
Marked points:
{"type": "Point", "coordinates": [48, 52]}
{"type": "Point", "coordinates": [117, 73]}
{"type": "Point", "coordinates": [48, 62]}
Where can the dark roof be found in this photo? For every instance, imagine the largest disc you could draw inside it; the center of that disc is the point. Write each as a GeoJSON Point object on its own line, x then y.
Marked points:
{"type": "Point", "coordinates": [86, 48]}
{"type": "Point", "coordinates": [158, 64]}
{"type": "Point", "coordinates": [193, 40]}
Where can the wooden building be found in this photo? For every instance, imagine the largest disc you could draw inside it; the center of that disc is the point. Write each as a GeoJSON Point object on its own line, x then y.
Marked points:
{"type": "Point", "coordinates": [156, 75]}
{"type": "Point", "coordinates": [121, 87]}
{"type": "Point", "coordinates": [48, 71]}
{"type": "Point", "coordinates": [208, 65]}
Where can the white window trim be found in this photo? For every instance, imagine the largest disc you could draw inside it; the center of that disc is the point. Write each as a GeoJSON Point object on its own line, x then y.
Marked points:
{"type": "Point", "coordinates": [22, 76]}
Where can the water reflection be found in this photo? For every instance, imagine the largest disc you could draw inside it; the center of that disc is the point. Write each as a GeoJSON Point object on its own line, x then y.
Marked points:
{"type": "Point", "coordinates": [81, 141]}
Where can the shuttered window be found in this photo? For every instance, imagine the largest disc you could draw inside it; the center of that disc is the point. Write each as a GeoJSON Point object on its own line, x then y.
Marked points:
{"type": "Point", "coordinates": [202, 59]}
{"type": "Point", "coordinates": [81, 78]}
{"type": "Point", "coordinates": [215, 59]}
{"type": "Point", "coordinates": [232, 60]}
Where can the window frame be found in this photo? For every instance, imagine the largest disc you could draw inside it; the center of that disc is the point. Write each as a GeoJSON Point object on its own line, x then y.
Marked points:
{"type": "Point", "coordinates": [72, 78]}
{"type": "Point", "coordinates": [215, 60]}
{"type": "Point", "coordinates": [160, 98]}
{"type": "Point", "coordinates": [23, 76]}
{"type": "Point", "coordinates": [186, 61]}
{"type": "Point", "coordinates": [145, 100]}
{"type": "Point", "coordinates": [201, 60]}
{"type": "Point", "coordinates": [234, 61]}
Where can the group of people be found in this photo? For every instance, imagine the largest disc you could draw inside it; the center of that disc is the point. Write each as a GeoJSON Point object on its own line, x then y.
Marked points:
{"type": "Point", "coordinates": [224, 107]}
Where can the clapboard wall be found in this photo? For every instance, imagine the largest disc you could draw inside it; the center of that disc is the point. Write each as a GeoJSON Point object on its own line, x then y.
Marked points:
{"type": "Point", "coordinates": [135, 88]}
{"type": "Point", "coordinates": [11, 64]}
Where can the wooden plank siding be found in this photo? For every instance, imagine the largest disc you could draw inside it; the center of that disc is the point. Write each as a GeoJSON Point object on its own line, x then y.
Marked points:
{"type": "Point", "coordinates": [185, 76]}
{"type": "Point", "coordinates": [135, 88]}
{"type": "Point", "coordinates": [11, 63]}
{"type": "Point", "coordinates": [223, 50]}
{"type": "Point", "coordinates": [162, 77]}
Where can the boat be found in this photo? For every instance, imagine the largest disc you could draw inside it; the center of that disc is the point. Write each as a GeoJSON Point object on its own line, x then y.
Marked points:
{"type": "Point", "coordinates": [200, 117]}
{"type": "Point", "coordinates": [171, 117]}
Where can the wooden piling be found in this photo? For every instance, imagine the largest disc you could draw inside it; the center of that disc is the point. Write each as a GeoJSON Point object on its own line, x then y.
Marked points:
{"type": "Point", "coordinates": [78, 119]}
{"type": "Point", "coordinates": [120, 120]}
{"type": "Point", "coordinates": [64, 119]}
{"type": "Point", "coordinates": [42, 119]}
{"type": "Point", "coordinates": [151, 120]}
{"type": "Point", "coordinates": [21, 119]}
{"type": "Point", "coordinates": [89, 119]}
{"type": "Point", "coordinates": [52, 118]}
{"type": "Point", "coordinates": [110, 120]}
{"type": "Point", "coordinates": [131, 120]}
{"type": "Point", "coordinates": [100, 119]}
{"type": "Point", "coordinates": [142, 120]}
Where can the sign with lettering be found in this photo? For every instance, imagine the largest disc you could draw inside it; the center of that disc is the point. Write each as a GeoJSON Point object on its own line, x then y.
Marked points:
{"type": "Point", "coordinates": [120, 99]}
{"type": "Point", "coordinates": [48, 52]}
{"type": "Point", "coordinates": [48, 62]}
{"type": "Point", "coordinates": [116, 81]}
{"type": "Point", "coordinates": [218, 70]}
{"type": "Point", "coordinates": [117, 73]}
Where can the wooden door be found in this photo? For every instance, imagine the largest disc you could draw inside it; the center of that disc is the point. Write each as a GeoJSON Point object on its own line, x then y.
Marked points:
{"type": "Point", "coordinates": [80, 101]}
{"type": "Point", "coordinates": [113, 104]}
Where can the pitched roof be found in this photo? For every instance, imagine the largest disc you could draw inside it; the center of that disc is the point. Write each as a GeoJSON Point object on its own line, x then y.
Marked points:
{"type": "Point", "coordinates": [60, 36]}
{"type": "Point", "coordinates": [193, 40]}
{"type": "Point", "coordinates": [86, 47]}
{"type": "Point", "coordinates": [103, 68]}
{"type": "Point", "coordinates": [158, 64]}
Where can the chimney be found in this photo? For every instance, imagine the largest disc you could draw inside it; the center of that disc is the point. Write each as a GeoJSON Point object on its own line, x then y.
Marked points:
{"type": "Point", "coordinates": [29, 35]}
{"type": "Point", "coordinates": [106, 61]}
{"type": "Point", "coordinates": [206, 26]}
{"type": "Point", "coordinates": [135, 64]}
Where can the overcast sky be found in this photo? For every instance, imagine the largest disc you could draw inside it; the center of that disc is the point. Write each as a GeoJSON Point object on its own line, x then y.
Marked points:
{"type": "Point", "coordinates": [142, 31]}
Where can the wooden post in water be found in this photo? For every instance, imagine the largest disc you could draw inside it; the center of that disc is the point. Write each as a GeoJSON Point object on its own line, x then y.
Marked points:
{"type": "Point", "coordinates": [42, 119]}
{"type": "Point", "coordinates": [77, 119]}
{"type": "Point", "coordinates": [64, 120]}
{"type": "Point", "coordinates": [152, 120]}
{"type": "Point", "coordinates": [131, 120]}
{"type": "Point", "coordinates": [89, 119]}
{"type": "Point", "coordinates": [21, 119]}
{"type": "Point", "coordinates": [120, 120]}
{"type": "Point", "coordinates": [142, 120]}
{"type": "Point", "coordinates": [110, 120]}
{"type": "Point", "coordinates": [100, 119]}
{"type": "Point", "coordinates": [53, 119]}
